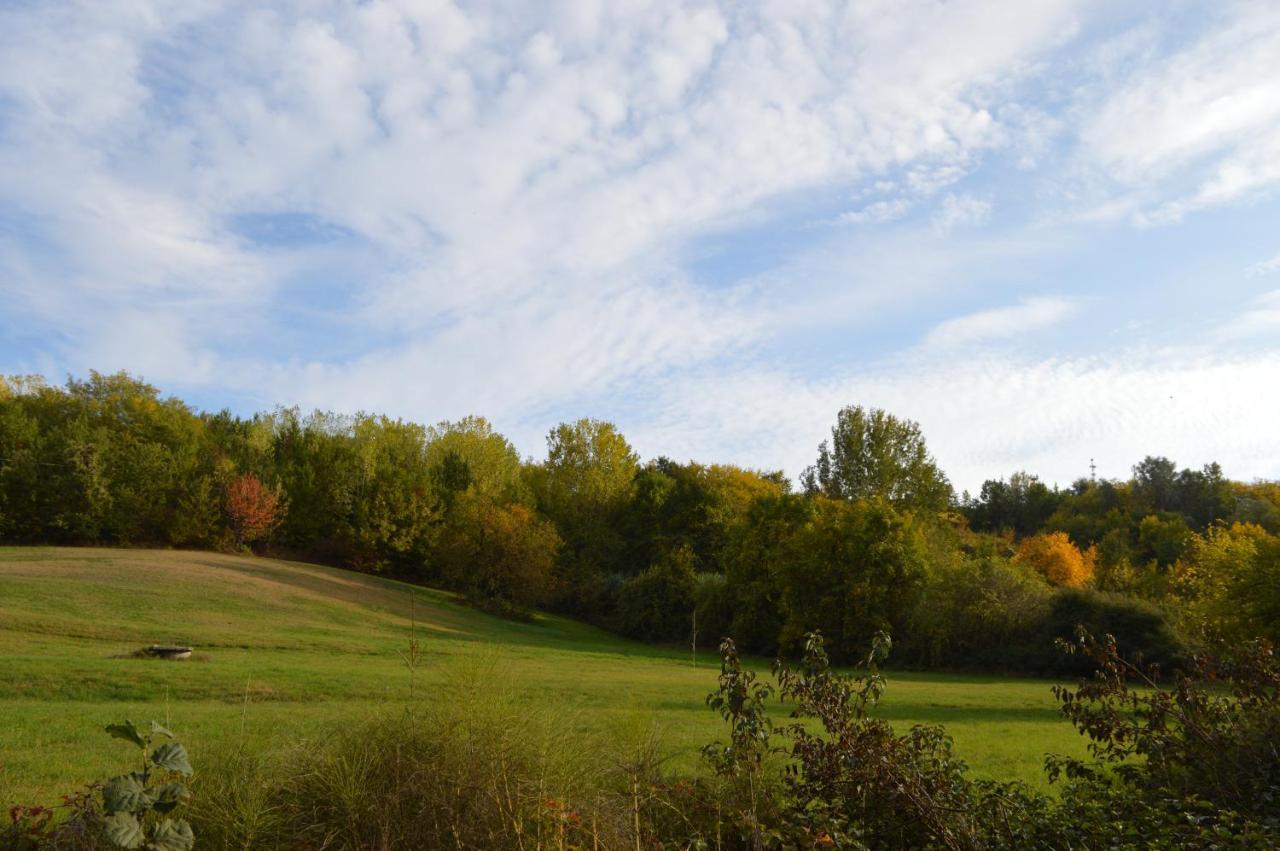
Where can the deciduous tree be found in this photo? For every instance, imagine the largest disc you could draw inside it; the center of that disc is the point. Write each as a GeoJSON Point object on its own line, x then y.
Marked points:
{"type": "Point", "coordinates": [874, 454]}
{"type": "Point", "coordinates": [1057, 559]}
{"type": "Point", "coordinates": [253, 509]}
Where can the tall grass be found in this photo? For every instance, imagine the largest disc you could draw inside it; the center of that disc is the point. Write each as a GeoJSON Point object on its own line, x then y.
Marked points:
{"type": "Point", "coordinates": [469, 767]}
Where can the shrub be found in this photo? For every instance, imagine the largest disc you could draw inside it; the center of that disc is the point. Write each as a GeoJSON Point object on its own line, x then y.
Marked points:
{"type": "Point", "coordinates": [1143, 629]}
{"type": "Point", "coordinates": [972, 611]}
{"type": "Point", "coordinates": [1194, 764]}
{"type": "Point", "coordinates": [138, 805]}
{"type": "Point", "coordinates": [658, 604]}
{"type": "Point", "coordinates": [129, 811]}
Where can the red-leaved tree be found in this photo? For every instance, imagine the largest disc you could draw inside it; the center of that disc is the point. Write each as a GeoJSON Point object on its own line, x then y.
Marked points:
{"type": "Point", "coordinates": [253, 509]}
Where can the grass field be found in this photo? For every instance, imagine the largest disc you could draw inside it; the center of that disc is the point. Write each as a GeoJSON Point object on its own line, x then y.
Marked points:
{"type": "Point", "coordinates": [288, 650]}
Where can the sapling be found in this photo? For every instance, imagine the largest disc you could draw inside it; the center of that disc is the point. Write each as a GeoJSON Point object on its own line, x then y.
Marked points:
{"type": "Point", "coordinates": [138, 804]}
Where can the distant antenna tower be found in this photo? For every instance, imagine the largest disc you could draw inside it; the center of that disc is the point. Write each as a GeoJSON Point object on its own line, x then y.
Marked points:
{"type": "Point", "coordinates": [1093, 471]}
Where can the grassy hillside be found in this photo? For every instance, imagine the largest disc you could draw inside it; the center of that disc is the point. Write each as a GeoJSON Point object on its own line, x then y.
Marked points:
{"type": "Point", "coordinates": [286, 650]}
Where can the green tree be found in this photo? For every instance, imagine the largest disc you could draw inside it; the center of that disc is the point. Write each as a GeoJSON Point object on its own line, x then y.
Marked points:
{"type": "Point", "coordinates": [393, 506]}
{"type": "Point", "coordinates": [852, 570]}
{"type": "Point", "coordinates": [1021, 505]}
{"type": "Point", "coordinates": [469, 453]}
{"type": "Point", "coordinates": [754, 559]}
{"type": "Point", "coordinates": [584, 486]}
{"type": "Point", "coordinates": [874, 454]}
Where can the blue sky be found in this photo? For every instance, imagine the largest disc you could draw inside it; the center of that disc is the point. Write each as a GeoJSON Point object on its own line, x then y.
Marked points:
{"type": "Point", "coordinates": [1048, 231]}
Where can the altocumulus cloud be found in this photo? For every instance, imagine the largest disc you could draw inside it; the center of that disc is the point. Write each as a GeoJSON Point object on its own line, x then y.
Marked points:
{"type": "Point", "coordinates": [446, 208]}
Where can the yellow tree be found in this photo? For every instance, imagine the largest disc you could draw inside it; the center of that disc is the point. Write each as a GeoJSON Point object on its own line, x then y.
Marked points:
{"type": "Point", "coordinates": [1057, 559]}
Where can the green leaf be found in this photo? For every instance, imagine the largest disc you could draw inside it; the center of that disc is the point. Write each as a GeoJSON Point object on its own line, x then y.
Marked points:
{"type": "Point", "coordinates": [168, 796]}
{"type": "Point", "coordinates": [127, 731]}
{"type": "Point", "coordinates": [171, 757]}
{"type": "Point", "coordinates": [124, 830]}
{"type": "Point", "coordinates": [171, 835]}
{"type": "Point", "coordinates": [157, 730]}
{"type": "Point", "coordinates": [126, 794]}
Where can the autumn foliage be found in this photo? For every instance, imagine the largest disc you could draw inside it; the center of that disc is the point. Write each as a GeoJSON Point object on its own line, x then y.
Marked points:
{"type": "Point", "coordinates": [1057, 559]}
{"type": "Point", "coordinates": [253, 510]}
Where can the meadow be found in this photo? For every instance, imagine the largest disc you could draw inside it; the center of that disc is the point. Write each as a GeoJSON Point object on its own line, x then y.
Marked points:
{"type": "Point", "coordinates": [286, 651]}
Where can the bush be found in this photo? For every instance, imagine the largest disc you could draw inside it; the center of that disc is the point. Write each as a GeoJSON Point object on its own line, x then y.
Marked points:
{"type": "Point", "coordinates": [972, 610]}
{"type": "Point", "coordinates": [1194, 764]}
{"type": "Point", "coordinates": [658, 604]}
{"type": "Point", "coordinates": [1143, 629]}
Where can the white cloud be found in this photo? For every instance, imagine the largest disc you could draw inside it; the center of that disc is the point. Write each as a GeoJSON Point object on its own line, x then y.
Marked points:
{"type": "Point", "coordinates": [877, 212]}
{"type": "Point", "coordinates": [1263, 267]}
{"type": "Point", "coordinates": [961, 211]}
{"type": "Point", "coordinates": [1200, 127]}
{"type": "Point", "coordinates": [502, 165]}
{"type": "Point", "coordinates": [1000, 323]}
{"type": "Point", "coordinates": [1262, 318]}
{"type": "Point", "coordinates": [518, 184]}
{"type": "Point", "coordinates": [987, 417]}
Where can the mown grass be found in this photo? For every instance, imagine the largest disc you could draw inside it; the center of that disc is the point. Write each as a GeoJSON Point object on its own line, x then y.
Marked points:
{"type": "Point", "coordinates": [286, 651]}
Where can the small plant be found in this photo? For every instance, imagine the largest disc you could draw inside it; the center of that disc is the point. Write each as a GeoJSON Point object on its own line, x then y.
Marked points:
{"type": "Point", "coordinates": [138, 804]}
{"type": "Point", "coordinates": [28, 827]}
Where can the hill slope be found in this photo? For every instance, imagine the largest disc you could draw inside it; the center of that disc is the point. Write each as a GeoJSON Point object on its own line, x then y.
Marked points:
{"type": "Point", "coordinates": [285, 649]}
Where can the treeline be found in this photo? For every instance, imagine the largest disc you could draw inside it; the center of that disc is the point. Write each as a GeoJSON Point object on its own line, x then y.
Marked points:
{"type": "Point", "coordinates": [874, 539]}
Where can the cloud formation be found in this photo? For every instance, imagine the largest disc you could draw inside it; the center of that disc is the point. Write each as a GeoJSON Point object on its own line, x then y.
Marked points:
{"type": "Point", "coordinates": [445, 208]}
{"type": "Point", "coordinates": [1001, 323]}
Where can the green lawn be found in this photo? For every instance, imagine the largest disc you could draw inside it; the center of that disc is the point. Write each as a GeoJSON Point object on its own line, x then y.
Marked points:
{"type": "Point", "coordinates": [287, 650]}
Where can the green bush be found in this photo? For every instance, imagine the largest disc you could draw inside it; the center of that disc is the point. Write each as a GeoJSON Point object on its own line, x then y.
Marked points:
{"type": "Point", "coordinates": [1143, 629]}
{"type": "Point", "coordinates": [658, 604]}
{"type": "Point", "coordinates": [972, 610]}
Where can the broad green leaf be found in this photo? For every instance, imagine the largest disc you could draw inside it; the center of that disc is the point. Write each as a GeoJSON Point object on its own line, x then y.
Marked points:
{"type": "Point", "coordinates": [171, 835]}
{"type": "Point", "coordinates": [127, 731]}
{"type": "Point", "coordinates": [171, 757]}
{"type": "Point", "coordinates": [124, 830]}
{"type": "Point", "coordinates": [168, 796]}
{"type": "Point", "coordinates": [125, 793]}
{"type": "Point", "coordinates": [157, 730]}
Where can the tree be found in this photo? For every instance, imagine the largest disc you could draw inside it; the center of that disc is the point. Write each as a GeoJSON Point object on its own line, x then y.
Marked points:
{"type": "Point", "coordinates": [873, 453]}
{"type": "Point", "coordinates": [584, 487]}
{"type": "Point", "coordinates": [469, 453]}
{"type": "Point", "coordinates": [1057, 559]}
{"type": "Point", "coordinates": [853, 569]}
{"type": "Point", "coordinates": [253, 510]}
{"type": "Point", "coordinates": [1022, 505]}
{"type": "Point", "coordinates": [1229, 580]}
{"type": "Point", "coordinates": [393, 508]}
{"type": "Point", "coordinates": [1155, 482]}
{"type": "Point", "coordinates": [754, 556]}
{"type": "Point", "coordinates": [500, 557]}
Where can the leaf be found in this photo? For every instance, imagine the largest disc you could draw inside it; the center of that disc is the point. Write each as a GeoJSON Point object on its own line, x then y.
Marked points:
{"type": "Point", "coordinates": [124, 830]}
{"type": "Point", "coordinates": [127, 731]}
{"type": "Point", "coordinates": [168, 796]}
{"type": "Point", "coordinates": [157, 730]}
{"type": "Point", "coordinates": [171, 757]}
{"type": "Point", "coordinates": [172, 835]}
{"type": "Point", "coordinates": [125, 793]}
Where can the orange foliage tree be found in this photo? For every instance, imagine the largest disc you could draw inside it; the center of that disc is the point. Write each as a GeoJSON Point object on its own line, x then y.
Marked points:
{"type": "Point", "coordinates": [1057, 559]}
{"type": "Point", "coordinates": [253, 509]}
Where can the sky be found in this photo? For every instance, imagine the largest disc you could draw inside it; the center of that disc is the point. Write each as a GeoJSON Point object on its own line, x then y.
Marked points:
{"type": "Point", "coordinates": [1048, 231]}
